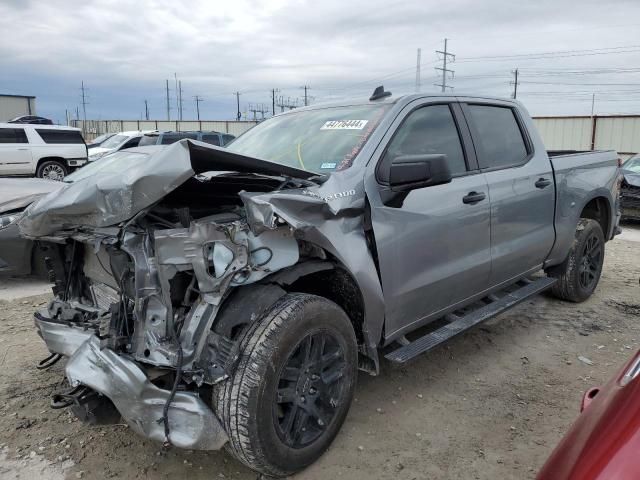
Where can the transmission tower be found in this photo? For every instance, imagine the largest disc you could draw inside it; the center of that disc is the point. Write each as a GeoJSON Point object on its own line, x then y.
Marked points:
{"type": "Point", "coordinates": [445, 71]}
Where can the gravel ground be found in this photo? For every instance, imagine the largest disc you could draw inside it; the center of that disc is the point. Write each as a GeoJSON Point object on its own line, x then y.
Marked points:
{"type": "Point", "coordinates": [490, 404]}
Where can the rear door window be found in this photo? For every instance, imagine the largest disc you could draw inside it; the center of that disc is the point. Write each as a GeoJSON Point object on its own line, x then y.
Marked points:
{"type": "Point", "coordinates": [60, 136]}
{"type": "Point", "coordinates": [169, 138]}
{"type": "Point", "coordinates": [213, 139]}
{"type": "Point", "coordinates": [131, 143]}
{"type": "Point", "coordinates": [13, 135]}
{"type": "Point", "coordinates": [227, 138]}
{"type": "Point", "coordinates": [497, 136]}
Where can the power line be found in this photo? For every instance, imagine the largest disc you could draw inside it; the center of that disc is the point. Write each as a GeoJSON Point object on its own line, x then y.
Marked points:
{"type": "Point", "coordinates": [554, 54]}
{"type": "Point", "coordinates": [445, 56]}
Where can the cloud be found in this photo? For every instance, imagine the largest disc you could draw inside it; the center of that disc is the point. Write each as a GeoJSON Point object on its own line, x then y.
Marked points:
{"type": "Point", "coordinates": [124, 51]}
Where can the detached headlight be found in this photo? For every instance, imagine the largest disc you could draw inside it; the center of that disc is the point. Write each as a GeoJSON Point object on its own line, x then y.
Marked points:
{"type": "Point", "coordinates": [10, 219]}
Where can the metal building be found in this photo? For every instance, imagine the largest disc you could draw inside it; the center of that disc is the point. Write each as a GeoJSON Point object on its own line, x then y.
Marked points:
{"type": "Point", "coordinates": [12, 106]}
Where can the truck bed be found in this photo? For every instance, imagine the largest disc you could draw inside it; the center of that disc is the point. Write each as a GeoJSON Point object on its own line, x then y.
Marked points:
{"type": "Point", "coordinates": [580, 177]}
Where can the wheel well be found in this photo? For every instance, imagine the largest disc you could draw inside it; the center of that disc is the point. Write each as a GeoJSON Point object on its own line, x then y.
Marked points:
{"type": "Point", "coordinates": [338, 286]}
{"type": "Point", "coordinates": [53, 159]}
{"type": "Point", "coordinates": [598, 209]}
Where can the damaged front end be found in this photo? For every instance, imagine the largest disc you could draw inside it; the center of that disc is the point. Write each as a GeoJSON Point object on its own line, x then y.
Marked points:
{"type": "Point", "coordinates": [142, 262]}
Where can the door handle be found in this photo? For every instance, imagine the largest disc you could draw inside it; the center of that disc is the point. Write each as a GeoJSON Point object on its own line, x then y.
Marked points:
{"type": "Point", "coordinates": [542, 183]}
{"type": "Point", "coordinates": [23, 149]}
{"type": "Point", "coordinates": [473, 197]}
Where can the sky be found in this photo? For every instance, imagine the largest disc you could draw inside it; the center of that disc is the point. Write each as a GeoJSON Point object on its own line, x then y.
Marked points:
{"type": "Point", "coordinates": [124, 52]}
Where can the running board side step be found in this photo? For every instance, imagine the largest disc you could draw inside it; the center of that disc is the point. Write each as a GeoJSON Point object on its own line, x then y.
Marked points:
{"type": "Point", "coordinates": [494, 305]}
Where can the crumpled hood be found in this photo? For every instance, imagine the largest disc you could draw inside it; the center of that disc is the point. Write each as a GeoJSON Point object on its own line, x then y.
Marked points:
{"type": "Point", "coordinates": [631, 178]}
{"type": "Point", "coordinates": [116, 190]}
{"type": "Point", "coordinates": [17, 193]}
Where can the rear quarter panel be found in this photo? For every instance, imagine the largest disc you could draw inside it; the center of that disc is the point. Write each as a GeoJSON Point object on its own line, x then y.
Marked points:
{"type": "Point", "coordinates": [579, 179]}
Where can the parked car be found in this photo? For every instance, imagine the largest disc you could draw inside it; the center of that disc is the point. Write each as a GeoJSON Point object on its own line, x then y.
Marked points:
{"type": "Point", "coordinates": [220, 296]}
{"type": "Point", "coordinates": [99, 140]}
{"type": "Point", "coordinates": [167, 138]}
{"type": "Point", "coordinates": [604, 441]}
{"type": "Point", "coordinates": [44, 151]}
{"type": "Point", "coordinates": [33, 119]}
{"type": "Point", "coordinates": [17, 254]}
{"type": "Point", "coordinates": [119, 141]}
{"type": "Point", "coordinates": [630, 191]}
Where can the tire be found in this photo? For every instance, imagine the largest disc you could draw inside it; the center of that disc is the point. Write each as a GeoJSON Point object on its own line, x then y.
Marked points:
{"type": "Point", "coordinates": [268, 392]}
{"type": "Point", "coordinates": [579, 274]}
{"type": "Point", "coordinates": [52, 170]}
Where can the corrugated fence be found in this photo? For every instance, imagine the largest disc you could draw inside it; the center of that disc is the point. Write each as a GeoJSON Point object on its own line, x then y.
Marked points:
{"type": "Point", "coordinates": [616, 132]}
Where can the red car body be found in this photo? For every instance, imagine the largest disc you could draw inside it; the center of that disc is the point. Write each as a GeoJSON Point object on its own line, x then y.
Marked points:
{"type": "Point", "coordinates": [604, 442]}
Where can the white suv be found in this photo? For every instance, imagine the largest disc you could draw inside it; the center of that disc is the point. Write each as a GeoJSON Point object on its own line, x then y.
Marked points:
{"type": "Point", "coordinates": [46, 151]}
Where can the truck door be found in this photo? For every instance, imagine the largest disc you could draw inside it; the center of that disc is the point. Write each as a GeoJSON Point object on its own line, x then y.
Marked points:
{"type": "Point", "coordinates": [15, 153]}
{"type": "Point", "coordinates": [521, 188]}
{"type": "Point", "coordinates": [432, 242]}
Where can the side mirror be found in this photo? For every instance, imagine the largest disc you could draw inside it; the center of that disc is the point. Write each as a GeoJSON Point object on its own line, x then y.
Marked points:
{"type": "Point", "coordinates": [409, 172]}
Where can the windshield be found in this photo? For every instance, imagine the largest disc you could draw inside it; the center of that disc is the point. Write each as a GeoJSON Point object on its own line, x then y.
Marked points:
{"type": "Point", "coordinates": [114, 141]}
{"type": "Point", "coordinates": [632, 165]}
{"type": "Point", "coordinates": [110, 164]}
{"type": "Point", "coordinates": [148, 140]}
{"type": "Point", "coordinates": [321, 141]}
{"type": "Point", "coordinates": [102, 138]}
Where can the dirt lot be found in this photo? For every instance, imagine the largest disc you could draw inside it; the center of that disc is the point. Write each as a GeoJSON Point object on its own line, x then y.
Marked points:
{"type": "Point", "coordinates": [491, 404]}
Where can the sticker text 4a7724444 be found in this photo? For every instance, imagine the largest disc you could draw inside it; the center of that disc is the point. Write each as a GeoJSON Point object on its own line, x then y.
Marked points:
{"type": "Point", "coordinates": [344, 125]}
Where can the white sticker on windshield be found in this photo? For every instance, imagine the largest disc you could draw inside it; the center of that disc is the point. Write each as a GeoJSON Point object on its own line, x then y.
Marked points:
{"type": "Point", "coordinates": [344, 125]}
{"type": "Point", "coordinates": [328, 165]}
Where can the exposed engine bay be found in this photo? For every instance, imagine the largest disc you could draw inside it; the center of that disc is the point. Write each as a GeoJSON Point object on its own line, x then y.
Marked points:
{"type": "Point", "coordinates": [137, 304]}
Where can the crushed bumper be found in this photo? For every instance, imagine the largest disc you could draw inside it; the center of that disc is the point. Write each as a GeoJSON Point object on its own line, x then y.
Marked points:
{"type": "Point", "coordinates": [192, 423]}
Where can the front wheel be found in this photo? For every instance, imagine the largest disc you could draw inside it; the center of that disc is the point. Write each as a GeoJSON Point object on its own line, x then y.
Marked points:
{"type": "Point", "coordinates": [579, 274]}
{"type": "Point", "coordinates": [52, 170]}
{"type": "Point", "coordinates": [293, 385]}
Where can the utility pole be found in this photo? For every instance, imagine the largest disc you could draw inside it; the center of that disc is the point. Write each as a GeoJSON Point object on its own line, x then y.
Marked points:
{"type": "Point", "coordinates": [84, 108]}
{"type": "Point", "coordinates": [168, 104]}
{"type": "Point", "coordinates": [273, 100]}
{"type": "Point", "coordinates": [515, 84]}
{"type": "Point", "coordinates": [238, 116]}
{"type": "Point", "coordinates": [306, 98]}
{"type": "Point", "coordinates": [198, 99]}
{"type": "Point", "coordinates": [175, 77]}
{"type": "Point", "coordinates": [418, 71]}
{"type": "Point", "coordinates": [180, 97]}
{"type": "Point", "coordinates": [593, 104]}
{"type": "Point", "coordinates": [445, 57]}
{"type": "Point", "coordinates": [146, 109]}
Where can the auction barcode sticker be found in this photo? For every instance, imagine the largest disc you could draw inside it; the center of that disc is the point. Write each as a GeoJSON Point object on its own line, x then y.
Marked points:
{"type": "Point", "coordinates": [344, 125]}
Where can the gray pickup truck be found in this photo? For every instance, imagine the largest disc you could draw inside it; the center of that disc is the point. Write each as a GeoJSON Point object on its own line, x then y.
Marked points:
{"type": "Point", "coordinates": [218, 297]}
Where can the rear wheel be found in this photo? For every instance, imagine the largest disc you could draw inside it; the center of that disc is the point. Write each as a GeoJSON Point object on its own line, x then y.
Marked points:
{"type": "Point", "coordinates": [52, 170]}
{"type": "Point", "coordinates": [579, 274]}
{"type": "Point", "coordinates": [293, 386]}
